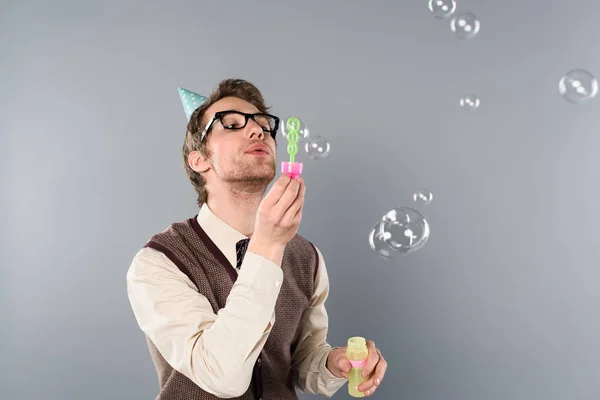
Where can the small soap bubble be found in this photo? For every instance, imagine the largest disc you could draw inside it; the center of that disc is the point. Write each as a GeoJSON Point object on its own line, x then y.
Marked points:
{"type": "Point", "coordinates": [378, 243]}
{"type": "Point", "coordinates": [423, 196]}
{"type": "Point", "coordinates": [317, 148]}
{"type": "Point", "coordinates": [404, 229]}
{"type": "Point", "coordinates": [442, 8]}
{"type": "Point", "coordinates": [469, 102]}
{"type": "Point", "coordinates": [465, 25]}
{"type": "Point", "coordinates": [578, 86]}
{"type": "Point", "coordinates": [294, 123]}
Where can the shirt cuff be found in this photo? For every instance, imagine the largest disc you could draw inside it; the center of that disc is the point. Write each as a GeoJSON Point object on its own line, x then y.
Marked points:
{"type": "Point", "coordinates": [260, 275]}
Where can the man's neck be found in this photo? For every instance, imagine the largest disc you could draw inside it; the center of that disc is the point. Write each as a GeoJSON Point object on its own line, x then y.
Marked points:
{"type": "Point", "coordinates": [236, 208]}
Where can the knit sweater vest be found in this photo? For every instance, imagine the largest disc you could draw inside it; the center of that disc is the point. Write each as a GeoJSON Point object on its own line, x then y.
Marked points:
{"type": "Point", "coordinates": [196, 255]}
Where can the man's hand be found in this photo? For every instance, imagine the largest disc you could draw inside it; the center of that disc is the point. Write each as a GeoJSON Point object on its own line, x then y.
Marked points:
{"type": "Point", "coordinates": [278, 217]}
{"type": "Point", "coordinates": [374, 370]}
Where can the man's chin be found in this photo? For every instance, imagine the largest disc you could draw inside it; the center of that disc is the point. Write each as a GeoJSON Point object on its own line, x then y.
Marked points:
{"type": "Point", "coordinates": [258, 176]}
{"type": "Point", "coordinates": [266, 177]}
{"type": "Point", "coordinates": [255, 171]}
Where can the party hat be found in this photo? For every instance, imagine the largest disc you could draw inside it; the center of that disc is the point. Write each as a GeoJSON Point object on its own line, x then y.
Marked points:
{"type": "Point", "coordinates": [190, 101]}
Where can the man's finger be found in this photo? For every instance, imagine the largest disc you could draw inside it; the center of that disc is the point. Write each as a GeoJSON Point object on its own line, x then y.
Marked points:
{"type": "Point", "coordinates": [292, 212]}
{"type": "Point", "coordinates": [341, 362]}
{"type": "Point", "coordinates": [369, 384]}
{"type": "Point", "coordinates": [370, 391]}
{"type": "Point", "coordinates": [286, 199]}
{"type": "Point", "coordinates": [380, 370]}
{"type": "Point", "coordinates": [372, 360]}
{"type": "Point", "coordinates": [376, 378]}
{"type": "Point", "coordinates": [276, 191]}
{"type": "Point", "coordinates": [344, 364]}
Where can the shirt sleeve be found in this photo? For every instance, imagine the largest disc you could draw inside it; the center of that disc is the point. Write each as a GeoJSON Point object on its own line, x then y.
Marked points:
{"type": "Point", "coordinates": [309, 361]}
{"type": "Point", "coordinates": [216, 351]}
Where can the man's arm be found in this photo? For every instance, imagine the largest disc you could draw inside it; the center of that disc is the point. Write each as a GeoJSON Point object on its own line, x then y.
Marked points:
{"type": "Point", "coordinates": [216, 352]}
{"type": "Point", "coordinates": [310, 356]}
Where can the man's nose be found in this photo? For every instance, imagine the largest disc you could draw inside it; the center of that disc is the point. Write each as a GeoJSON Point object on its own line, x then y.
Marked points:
{"type": "Point", "coordinates": [255, 130]}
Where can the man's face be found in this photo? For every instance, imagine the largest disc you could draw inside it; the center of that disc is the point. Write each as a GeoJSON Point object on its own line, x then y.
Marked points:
{"type": "Point", "coordinates": [230, 158]}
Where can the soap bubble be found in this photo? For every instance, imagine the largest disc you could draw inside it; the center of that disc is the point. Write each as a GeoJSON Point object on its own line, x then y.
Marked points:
{"type": "Point", "coordinates": [578, 86]}
{"type": "Point", "coordinates": [378, 243]}
{"type": "Point", "coordinates": [423, 196]}
{"type": "Point", "coordinates": [465, 25]}
{"type": "Point", "coordinates": [317, 148]}
{"type": "Point", "coordinates": [404, 229]}
{"type": "Point", "coordinates": [442, 8]}
{"type": "Point", "coordinates": [294, 122]}
{"type": "Point", "coordinates": [469, 102]}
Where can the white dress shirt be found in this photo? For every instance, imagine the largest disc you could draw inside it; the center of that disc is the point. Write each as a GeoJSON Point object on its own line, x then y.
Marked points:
{"type": "Point", "coordinates": [218, 351]}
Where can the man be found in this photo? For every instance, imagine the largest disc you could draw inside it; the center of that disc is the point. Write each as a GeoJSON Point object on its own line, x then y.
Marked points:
{"type": "Point", "coordinates": [232, 301]}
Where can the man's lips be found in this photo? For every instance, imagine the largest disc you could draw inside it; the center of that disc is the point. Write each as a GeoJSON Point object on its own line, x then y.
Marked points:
{"type": "Point", "coordinates": [258, 150]}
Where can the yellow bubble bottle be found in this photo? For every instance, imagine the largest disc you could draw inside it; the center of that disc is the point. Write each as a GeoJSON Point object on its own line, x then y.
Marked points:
{"type": "Point", "coordinates": [357, 353]}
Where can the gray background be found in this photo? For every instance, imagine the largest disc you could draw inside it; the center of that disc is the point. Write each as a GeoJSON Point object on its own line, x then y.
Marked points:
{"type": "Point", "coordinates": [502, 303]}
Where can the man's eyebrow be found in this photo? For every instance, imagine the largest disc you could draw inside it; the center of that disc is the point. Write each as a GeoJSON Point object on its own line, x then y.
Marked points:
{"type": "Point", "coordinates": [240, 111]}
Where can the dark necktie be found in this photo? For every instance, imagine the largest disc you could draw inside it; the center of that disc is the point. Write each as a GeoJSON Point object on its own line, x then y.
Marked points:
{"type": "Point", "coordinates": [240, 250]}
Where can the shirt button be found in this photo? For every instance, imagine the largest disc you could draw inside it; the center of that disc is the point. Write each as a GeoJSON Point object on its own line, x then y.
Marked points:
{"type": "Point", "coordinates": [277, 283]}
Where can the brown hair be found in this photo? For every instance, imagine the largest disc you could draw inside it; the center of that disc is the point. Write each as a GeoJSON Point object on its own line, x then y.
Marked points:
{"type": "Point", "coordinates": [239, 88]}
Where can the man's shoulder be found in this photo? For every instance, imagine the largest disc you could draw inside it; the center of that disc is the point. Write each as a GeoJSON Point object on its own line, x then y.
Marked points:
{"type": "Point", "coordinates": [174, 229]}
{"type": "Point", "coordinates": [168, 249]}
{"type": "Point", "coordinates": [150, 264]}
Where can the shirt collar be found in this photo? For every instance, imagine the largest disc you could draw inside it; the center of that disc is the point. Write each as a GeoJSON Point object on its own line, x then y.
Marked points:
{"type": "Point", "coordinates": [223, 235]}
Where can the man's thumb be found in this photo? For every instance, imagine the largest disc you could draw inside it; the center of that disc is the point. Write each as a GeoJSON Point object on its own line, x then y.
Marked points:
{"type": "Point", "coordinates": [345, 365]}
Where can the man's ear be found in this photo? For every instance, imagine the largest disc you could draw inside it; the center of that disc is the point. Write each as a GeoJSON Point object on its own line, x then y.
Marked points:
{"type": "Point", "coordinates": [198, 162]}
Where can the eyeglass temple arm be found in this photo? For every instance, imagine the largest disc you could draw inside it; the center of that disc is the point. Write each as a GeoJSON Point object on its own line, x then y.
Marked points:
{"type": "Point", "coordinates": [206, 128]}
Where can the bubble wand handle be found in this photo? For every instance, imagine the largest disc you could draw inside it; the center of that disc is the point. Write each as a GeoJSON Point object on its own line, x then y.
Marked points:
{"type": "Point", "coordinates": [292, 126]}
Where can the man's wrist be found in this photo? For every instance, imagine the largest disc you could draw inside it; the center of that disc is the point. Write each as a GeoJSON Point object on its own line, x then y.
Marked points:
{"type": "Point", "coordinates": [270, 251]}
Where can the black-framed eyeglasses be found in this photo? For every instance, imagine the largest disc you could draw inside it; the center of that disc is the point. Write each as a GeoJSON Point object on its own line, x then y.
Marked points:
{"type": "Point", "coordinates": [235, 120]}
